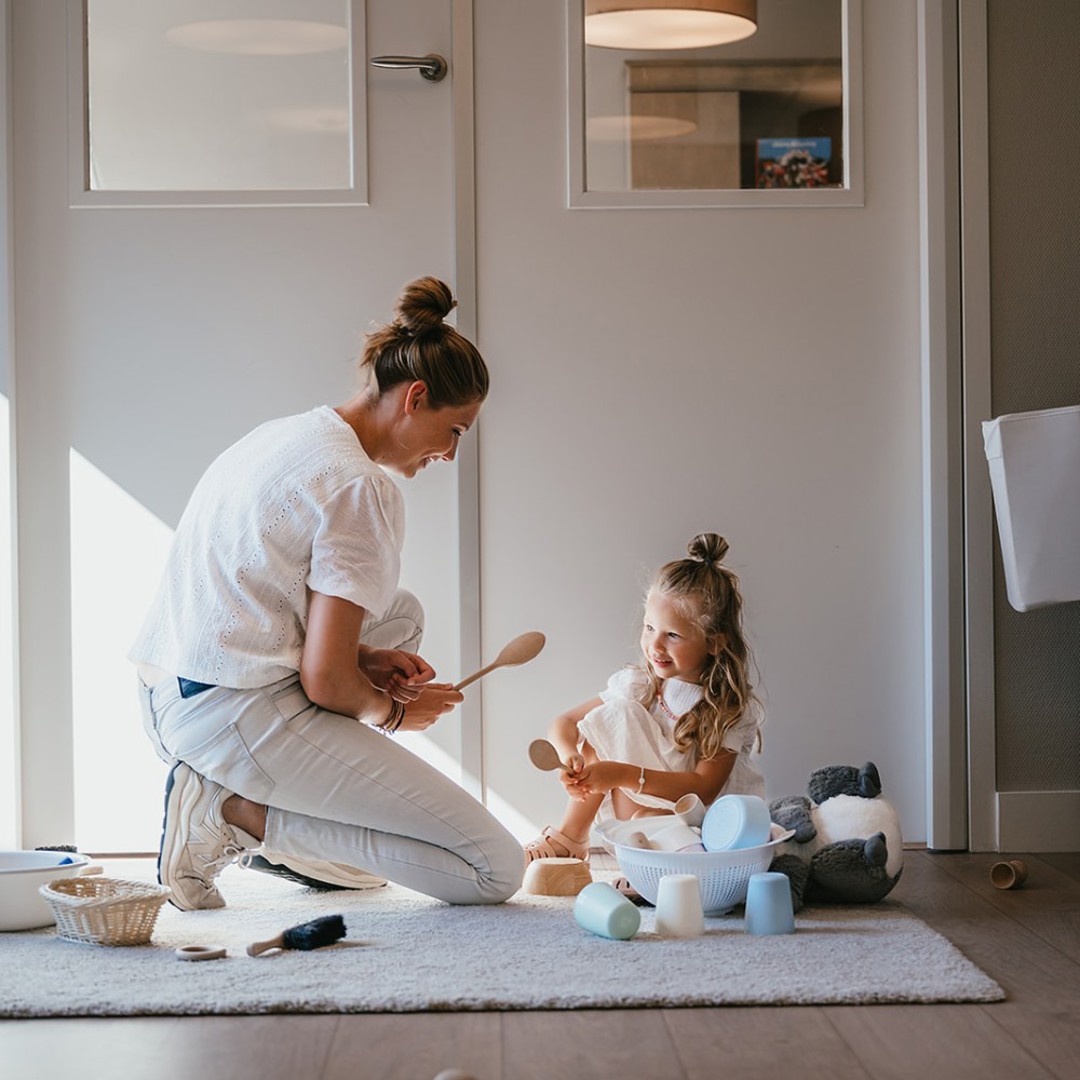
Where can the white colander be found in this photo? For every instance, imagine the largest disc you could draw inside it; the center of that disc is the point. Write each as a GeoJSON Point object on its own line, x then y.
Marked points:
{"type": "Point", "coordinates": [724, 875]}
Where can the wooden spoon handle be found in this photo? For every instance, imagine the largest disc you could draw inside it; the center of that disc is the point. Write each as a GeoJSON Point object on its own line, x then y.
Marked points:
{"type": "Point", "coordinates": [476, 675]}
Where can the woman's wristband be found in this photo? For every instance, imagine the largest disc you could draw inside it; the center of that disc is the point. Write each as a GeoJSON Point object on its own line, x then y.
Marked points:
{"type": "Point", "coordinates": [394, 718]}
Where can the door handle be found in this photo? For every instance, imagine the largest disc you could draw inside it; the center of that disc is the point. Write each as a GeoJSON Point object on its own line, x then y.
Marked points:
{"type": "Point", "coordinates": [433, 67]}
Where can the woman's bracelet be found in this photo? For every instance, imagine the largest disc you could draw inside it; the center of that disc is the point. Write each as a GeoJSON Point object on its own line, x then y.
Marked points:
{"type": "Point", "coordinates": [641, 781]}
{"type": "Point", "coordinates": [394, 718]}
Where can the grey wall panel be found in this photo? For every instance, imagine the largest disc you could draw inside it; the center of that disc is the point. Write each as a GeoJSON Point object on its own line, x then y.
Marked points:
{"type": "Point", "coordinates": [1034, 87]}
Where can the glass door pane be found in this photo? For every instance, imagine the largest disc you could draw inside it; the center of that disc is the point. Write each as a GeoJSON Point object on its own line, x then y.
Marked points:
{"type": "Point", "coordinates": [237, 95]}
{"type": "Point", "coordinates": [769, 119]}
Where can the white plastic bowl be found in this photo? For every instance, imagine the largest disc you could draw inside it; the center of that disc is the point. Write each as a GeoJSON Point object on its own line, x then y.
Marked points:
{"type": "Point", "coordinates": [22, 873]}
{"type": "Point", "coordinates": [724, 875]}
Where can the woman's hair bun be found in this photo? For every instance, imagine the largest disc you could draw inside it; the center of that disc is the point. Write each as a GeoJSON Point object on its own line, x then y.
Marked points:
{"type": "Point", "coordinates": [707, 548]}
{"type": "Point", "coordinates": [423, 305]}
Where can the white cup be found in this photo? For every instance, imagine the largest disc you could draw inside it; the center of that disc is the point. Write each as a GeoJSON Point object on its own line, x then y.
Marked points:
{"type": "Point", "coordinates": [673, 835]}
{"type": "Point", "coordinates": [690, 809]}
{"type": "Point", "coordinates": [678, 906]}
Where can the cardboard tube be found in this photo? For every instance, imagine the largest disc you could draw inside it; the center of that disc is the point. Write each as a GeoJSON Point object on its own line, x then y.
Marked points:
{"type": "Point", "coordinates": [1009, 875]}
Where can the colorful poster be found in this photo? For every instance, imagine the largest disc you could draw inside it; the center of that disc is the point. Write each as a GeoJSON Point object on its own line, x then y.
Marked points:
{"type": "Point", "coordinates": [793, 163]}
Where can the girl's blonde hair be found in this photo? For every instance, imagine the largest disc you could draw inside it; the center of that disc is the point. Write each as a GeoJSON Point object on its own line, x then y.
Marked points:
{"type": "Point", "coordinates": [419, 345]}
{"type": "Point", "coordinates": [707, 593]}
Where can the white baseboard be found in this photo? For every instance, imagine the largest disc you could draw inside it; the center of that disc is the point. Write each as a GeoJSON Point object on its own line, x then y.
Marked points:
{"type": "Point", "coordinates": [1038, 820]}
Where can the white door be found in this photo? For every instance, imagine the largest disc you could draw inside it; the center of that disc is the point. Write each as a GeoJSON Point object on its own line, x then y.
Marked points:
{"type": "Point", "coordinates": [150, 337]}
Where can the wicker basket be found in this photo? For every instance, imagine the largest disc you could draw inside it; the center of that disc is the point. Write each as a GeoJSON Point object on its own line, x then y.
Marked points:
{"type": "Point", "coordinates": [104, 911]}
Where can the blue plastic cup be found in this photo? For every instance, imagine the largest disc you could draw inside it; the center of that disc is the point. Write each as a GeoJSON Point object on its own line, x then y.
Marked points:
{"type": "Point", "coordinates": [602, 909]}
{"type": "Point", "coordinates": [768, 905]}
{"type": "Point", "coordinates": [736, 821]}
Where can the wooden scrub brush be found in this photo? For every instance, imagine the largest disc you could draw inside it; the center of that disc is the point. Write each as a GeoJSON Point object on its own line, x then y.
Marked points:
{"type": "Point", "coordinates": [310, 935]}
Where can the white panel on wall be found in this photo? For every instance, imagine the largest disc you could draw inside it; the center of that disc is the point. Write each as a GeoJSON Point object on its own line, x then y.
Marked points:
{"type": "Point", "coordinates": [661, 372]}
{"type": "Point", "coordinates": [151, 338]}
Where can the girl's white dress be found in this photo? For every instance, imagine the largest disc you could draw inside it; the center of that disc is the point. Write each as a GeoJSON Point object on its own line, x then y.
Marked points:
{"type": "Point", "coordinates": [623, 729]}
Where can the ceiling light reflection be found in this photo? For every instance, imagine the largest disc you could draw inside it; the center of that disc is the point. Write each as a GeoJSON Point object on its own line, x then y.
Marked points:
{"type": "Point", "coordinates": [626, 128]}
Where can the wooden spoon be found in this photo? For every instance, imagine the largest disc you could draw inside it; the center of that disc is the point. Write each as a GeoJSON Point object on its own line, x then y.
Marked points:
{"type": "Point", "coordinates": [544, 756]}
{"type": "Point", "coordinates": [519, 651]}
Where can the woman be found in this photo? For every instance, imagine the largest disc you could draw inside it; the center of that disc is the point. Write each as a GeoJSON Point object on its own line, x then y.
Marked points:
{"type": "Point", "coordinates": [279, 651]}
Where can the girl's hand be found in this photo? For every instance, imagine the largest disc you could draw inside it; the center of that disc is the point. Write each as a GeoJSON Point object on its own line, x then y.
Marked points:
{"type": "Point", "coordinates": [571, 776]}
{"type": "Point", "coordinates": [597, 778]}
{"type": "Point", "coordinates": [433, 701]}
{"type": "Point", "coordinates": [400, 674]}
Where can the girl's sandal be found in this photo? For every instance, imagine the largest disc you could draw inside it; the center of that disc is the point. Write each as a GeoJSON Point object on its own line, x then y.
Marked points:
{"type": "Point", "coordinates": [622, 885]}
{"type": "Point", "coordinates": [552, 844]}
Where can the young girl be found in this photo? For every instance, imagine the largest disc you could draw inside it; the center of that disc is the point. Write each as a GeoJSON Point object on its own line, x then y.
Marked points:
{"type": "Point", "coordinates": [684, 722]}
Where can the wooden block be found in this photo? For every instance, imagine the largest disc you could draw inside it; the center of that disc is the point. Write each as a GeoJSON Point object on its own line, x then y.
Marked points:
{"type": "Point", "coordinates": [556, 877]}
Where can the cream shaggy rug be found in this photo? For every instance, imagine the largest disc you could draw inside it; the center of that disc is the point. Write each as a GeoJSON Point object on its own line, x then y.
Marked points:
{"type": "Point", "coordinates": [407, 953]}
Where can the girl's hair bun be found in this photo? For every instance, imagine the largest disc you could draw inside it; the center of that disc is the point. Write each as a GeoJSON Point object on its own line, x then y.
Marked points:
{"type": "Point", "coordinates": [708, 548]}
{"type": "Point", "coordinates": [423, 305]}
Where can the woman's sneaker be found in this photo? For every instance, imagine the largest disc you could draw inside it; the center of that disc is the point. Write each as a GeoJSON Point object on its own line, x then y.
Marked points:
{"type": "Point", "coordinates": [196, 841]}
{"type": "Point", "coordinates": [313, 874]}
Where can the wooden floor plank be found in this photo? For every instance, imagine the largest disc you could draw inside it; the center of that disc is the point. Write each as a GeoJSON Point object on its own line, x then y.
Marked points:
{"type": "Point", "coordinates": [760, 1044]}
{"type": "Point", "coordinates": [166, 1048]}
{"type": "Point", "coordinates": [631, 1044]}
{"type": "Point", "coordinates": [416, 1046]}
{"type": "Point", "coordinates": [1022, 962]}
{"type": "Point", "coordinates": [1047, 904]}
{"type": "Point", "coordinates": [1046, 887]}
{"type": "Point", "coordinates": [1043, 1010]}
{"type": "Point", "coordinates": [898, 1042]}
{"type": "Point", "coordinates": [1068, 862]}
{"type": "Point", "coordinates": [129, 1047]}
{"type": "Point", "coordinates": [1050, 1033]}
{"type": "Point", "coordinates": [249, 1047]}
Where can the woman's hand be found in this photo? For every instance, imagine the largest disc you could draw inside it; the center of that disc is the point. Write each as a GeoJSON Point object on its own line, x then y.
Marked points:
{"type": "Point", "coordinates": [434, 700]}
{"type": "Point", "coordinates": [598, 778]}
{"type": "Point", "coordinates": [400, 674]}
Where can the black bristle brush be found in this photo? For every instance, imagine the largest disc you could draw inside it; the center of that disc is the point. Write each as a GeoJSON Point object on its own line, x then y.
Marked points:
{"type": "Point", "coordinates": [306, 936]}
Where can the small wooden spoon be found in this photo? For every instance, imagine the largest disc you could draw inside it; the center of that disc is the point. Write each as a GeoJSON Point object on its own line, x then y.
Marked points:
{"type": "Point", "coordinates": [519, 651]}
{"type": "Point", "coordinates": [544, 756]}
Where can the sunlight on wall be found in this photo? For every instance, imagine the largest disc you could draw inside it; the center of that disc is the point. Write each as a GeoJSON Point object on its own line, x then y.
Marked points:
{"type": "Point", "coordinates": [118, 549]}
{"type": "Point", "coordinates": [7, 657]}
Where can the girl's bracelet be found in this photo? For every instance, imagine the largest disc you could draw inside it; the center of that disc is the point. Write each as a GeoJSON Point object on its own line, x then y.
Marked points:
{"type": "Point", "coordinates": [641, 781]}
{"type": "Point", "coordinates": [394, 718]}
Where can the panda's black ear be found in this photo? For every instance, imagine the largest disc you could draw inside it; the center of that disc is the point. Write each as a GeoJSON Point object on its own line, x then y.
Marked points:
{"type": "Point", "coordinates": [833, 780]}
{"type": "Point", "coordinates": [869, 781]}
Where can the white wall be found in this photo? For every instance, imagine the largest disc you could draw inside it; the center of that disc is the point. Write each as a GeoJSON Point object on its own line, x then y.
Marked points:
{"type": "Point", "coordinates": [662, 372]}
{"type": "Point", "coordinates": [656, 373]}
{"type": "Point", "coordinates": [149, 339]}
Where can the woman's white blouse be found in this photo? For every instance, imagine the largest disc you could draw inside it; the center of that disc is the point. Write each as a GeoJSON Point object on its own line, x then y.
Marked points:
{"type": "Point", "coordinates": [296, 505]}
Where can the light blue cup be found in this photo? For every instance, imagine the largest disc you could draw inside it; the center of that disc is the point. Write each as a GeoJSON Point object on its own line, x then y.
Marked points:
{"type": "Point", "coordinates": [736, 821]}
{"type": "Point", "coordinates": [602, 909]}
{"type": "Point", "coordinates": [768, 905]}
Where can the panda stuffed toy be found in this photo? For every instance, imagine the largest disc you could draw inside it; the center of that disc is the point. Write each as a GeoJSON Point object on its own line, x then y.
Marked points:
{"type": "Point", "coordinates": [847, 847]}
